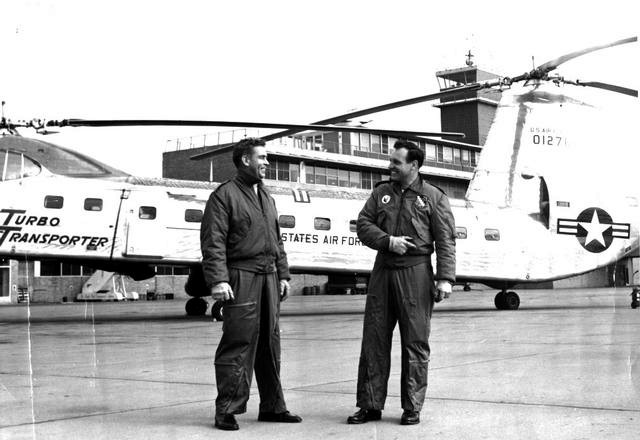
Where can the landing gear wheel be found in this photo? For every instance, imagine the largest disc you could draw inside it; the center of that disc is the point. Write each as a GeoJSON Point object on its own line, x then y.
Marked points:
{"type": "Point", "coordinates": [216, 311]}
{"type": "Point", "coordinates": [511, 301]}
{"type": "Point", "coordinates": [507, 301]}
{"type": "Point", "coordinates": [196, 307]}
{"type": "Point", "coordinates": [499, 300]}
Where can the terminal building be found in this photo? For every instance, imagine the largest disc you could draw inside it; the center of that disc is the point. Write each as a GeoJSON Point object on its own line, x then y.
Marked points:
{"type": "Point", "coordinates": [313, 160]}
{"type": "Point", "coordinates": [357, 160]}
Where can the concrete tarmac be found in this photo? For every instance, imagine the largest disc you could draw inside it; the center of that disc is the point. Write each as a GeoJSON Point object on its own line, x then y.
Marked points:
{"type": "Point", "coordinates": [564, 366]}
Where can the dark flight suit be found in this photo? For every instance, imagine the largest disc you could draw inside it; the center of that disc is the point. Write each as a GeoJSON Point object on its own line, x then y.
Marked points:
{"type": "Point", "coordinates": [240, 240]}
{"type": "Point", "coordinates": [401, 287]}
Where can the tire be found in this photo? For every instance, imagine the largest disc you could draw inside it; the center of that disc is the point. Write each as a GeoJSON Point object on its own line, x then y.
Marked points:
{"type": "Point", "coordinates": [499, 301]}
{"type": "Point", "coordinates": [511, 301]}
{"type": "Point", "coordinates": [196, 307]}
{"type": "Point", "coordinates": [216, 311]}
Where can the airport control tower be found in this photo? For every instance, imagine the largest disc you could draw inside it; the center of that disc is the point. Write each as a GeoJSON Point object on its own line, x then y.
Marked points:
{"type": "Point", "coordinates": [470, 112]}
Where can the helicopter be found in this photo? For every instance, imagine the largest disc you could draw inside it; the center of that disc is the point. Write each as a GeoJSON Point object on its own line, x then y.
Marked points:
{"type": "Point", "coordinates": [527, 216]}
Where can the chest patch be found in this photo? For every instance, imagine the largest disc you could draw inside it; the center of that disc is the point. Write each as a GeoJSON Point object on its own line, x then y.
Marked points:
{"type": "Point", "coordinates": [386, 198]}
{"type": "Point", "coordinates": [421, 202]}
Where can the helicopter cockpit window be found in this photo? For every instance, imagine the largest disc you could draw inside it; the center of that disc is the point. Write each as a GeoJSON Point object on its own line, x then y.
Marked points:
{"type": "Point", "coordinates": [16, 166]}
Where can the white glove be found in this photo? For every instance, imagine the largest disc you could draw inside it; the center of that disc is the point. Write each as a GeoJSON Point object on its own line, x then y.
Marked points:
{"type": "Point", "coordinates": [443, 290]}
{"type": "Point", "coordinates": [222, 291]}
{"type": "Point", "coordinates": [400, 245]}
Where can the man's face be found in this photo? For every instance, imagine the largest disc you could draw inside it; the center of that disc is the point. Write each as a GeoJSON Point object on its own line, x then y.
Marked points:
{"type": "Point", "coordinates": [398, 166]}
{"type": "Point", "coordinates": [256, 162]}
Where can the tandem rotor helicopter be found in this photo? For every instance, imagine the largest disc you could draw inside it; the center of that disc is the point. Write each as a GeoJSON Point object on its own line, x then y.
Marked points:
{"type": "Point", "coordinates": [542, 204]}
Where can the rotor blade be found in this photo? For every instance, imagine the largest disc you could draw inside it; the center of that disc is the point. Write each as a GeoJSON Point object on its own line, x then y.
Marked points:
{"type": "Point", "coordinates": [298, 127]}
{"type": "Point", "coordinates": [610, 87]}
{"type": "Point", "coordinates": [383, 107]}
{"type": "Point", "coordinates": [550, 65]}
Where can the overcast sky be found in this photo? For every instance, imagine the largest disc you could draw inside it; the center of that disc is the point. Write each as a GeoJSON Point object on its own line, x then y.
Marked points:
{"type": "Point", "coordinates": [276, 61]}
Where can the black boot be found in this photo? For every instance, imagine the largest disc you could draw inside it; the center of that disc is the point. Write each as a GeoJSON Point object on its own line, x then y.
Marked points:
{"type": "Point", "coordinates": [410, 417]}
{"type": "Point", "coordinates": [284, 417]}
{"type": "Point", "coordinates": [364, 416]}
{"type": "Point", "coordinates": [226, 422]}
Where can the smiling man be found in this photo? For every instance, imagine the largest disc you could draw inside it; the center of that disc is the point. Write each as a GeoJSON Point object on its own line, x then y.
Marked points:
{"type": "Point", "coordinates": [245, 266]}
{"type": "Point", "coordinates": [402, 220]}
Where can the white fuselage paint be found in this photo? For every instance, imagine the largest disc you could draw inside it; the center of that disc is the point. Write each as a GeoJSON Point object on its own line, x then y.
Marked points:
{"type": "Point", "coordinates": [541, 134]}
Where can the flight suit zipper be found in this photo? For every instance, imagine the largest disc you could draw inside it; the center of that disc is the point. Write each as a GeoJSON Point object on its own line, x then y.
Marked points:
{"type": "Point", "coordinates": [396, 231]}
{"type": "Point", "coordinates": [266, 229]}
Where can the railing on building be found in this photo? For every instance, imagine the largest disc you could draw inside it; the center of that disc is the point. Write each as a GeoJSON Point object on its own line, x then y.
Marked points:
{"type": "Point", "coordinates": [210, 139]}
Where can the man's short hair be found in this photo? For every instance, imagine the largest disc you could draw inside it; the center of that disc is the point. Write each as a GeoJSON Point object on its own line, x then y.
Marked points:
{"type": "Point", "coordinates": [413, 152]}
{"type": "Point", "coordinates": [245, 146]}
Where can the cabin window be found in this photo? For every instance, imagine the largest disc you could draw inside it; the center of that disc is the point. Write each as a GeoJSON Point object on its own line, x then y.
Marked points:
{"type": "Point", "coordinates": [492, 234]}
{"type": "Point", "coordinates": [287, 221]}
{"type": "Point", "coordinates": [321, 223]}
{"type": "Point", "coordinates": [93, 204]}
{"type": "Point", "coordinates": [193, 215]}
{"type": "Point", "coordinates": [15, 166]}
{"type": "Point", "coordinates": [461, 232]}
{"type": "Point", "coordinates": [353, 225]}
{"type": "Point", "coordinates": [147, 212]}
{"type": "Point", "coordinates": [53, 202]}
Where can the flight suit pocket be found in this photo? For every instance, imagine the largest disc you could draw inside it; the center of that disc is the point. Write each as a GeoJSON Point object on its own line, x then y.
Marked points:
{"type": "Point", "coordinates": [422, 229]}
{"type": "Point", "coordinates": [239, 320]}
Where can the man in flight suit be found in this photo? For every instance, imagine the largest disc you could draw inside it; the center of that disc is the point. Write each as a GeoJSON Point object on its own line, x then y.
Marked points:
{"type": "Point", "coordinates": [402, 219]}
{"type": "Point", "coordinates": [245, 265]}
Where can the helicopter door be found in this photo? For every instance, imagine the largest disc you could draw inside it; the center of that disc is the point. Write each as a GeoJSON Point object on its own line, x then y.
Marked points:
{"type": "Point", "coordinates": [145, 226]}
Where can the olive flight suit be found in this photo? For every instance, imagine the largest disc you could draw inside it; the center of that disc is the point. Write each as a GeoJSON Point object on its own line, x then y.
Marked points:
{"type": "Point", "coordinates": [241, 245]}
{"type": "Point", "coordinates": [401, 288]}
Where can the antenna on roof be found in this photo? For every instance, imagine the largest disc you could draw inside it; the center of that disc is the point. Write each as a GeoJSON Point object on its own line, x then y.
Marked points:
{"type": "Point", "coordinates": [469, 56]}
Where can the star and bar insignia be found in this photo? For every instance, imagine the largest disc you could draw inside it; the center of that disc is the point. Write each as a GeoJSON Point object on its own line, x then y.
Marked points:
{"type": "Point", "coordinates": [594, 228]}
